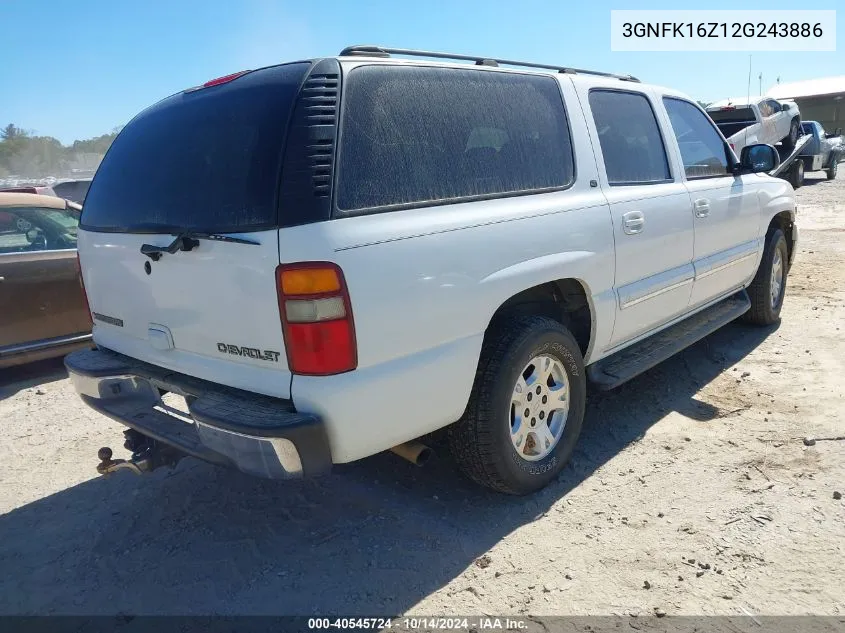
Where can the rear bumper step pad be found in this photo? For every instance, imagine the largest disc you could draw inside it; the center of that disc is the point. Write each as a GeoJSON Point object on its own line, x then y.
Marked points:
{"type": "Point", "coordinates": [256, 434]}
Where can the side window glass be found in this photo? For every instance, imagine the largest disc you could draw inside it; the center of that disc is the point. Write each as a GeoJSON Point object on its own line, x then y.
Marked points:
{"type": "Point", "coordinates": [420, 136]}
{"type": "Point", "coordinates": [24, 230]}
{"type": "Point", "coordinates": [14, 227]}
{"type": "Point", "coordinates": [703, 151]}
{"type": "Point", "coordinates": [630, 139]}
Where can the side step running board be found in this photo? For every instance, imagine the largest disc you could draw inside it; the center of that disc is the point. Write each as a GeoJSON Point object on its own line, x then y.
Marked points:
{"type": "Point", "coordinates": [620, 367]}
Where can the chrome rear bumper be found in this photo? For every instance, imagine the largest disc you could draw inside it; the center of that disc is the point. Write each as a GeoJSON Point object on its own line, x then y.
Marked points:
{"type": "Point", "coordinates": [256, 434]}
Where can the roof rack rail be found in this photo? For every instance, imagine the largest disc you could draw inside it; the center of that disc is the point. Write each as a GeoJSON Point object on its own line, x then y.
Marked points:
{"type": "Point", "coordinates": [382, 51]}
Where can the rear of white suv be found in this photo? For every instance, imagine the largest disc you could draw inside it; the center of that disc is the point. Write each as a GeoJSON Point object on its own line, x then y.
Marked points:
{"type": "Point", "coordinates": [179, 247]}
{"type": "Point", "coordinates": [281, 279]}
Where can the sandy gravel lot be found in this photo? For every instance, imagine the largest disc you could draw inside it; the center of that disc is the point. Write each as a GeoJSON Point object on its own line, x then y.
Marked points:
{"type": "Point", "coordinates": [691, 492]}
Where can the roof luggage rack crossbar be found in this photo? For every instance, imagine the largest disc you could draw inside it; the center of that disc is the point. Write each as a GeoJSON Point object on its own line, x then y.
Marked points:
{"type": "Point", "coordinates": [382, 51]}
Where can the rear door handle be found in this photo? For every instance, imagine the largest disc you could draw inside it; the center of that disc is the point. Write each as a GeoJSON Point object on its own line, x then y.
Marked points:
{"type": "Point", "coordinates": [633, 222]}
{"type": "Point", "coordinates": [702, 207]}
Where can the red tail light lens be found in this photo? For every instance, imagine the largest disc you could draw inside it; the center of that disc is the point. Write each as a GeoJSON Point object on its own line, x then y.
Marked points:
{"type": "Point", "coordinates": [82, 285]}
{"type": "Point", "coordinates": [316, 319]}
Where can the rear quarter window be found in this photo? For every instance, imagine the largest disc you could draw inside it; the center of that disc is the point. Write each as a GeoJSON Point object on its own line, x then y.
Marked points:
{"type": "Point", "coordinates": [416, 136]}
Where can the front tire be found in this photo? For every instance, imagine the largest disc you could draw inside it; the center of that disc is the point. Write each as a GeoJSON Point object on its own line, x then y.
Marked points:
{"type": "Point", "coordinates": [769, 286]}
{"type": "Point", "coordinates": [834, 167]}
{"type": "Point", "coordinates": [526, 409]}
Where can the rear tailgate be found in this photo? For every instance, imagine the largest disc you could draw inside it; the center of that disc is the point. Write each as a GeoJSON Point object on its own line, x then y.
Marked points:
{"type": "Point", "coordinates": [212, 312]}
{"type": "Point", "coordinates": [204, 161]}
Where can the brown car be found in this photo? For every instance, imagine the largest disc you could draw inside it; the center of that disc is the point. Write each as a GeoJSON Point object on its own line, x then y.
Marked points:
{"type": "Point", "coordinates": [43, 310]}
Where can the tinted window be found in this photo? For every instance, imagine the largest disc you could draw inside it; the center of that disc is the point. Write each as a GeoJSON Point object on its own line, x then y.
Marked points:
{"type": "Point", "coordinates": [703, 151]}
{"type": "Point", "coordinates": [428, 135]}
{"type": "Point", "coordinates": [27, 229]}
{"type": "Point", "coordinates": [732, 115]}
{"type": "Point", "coordinates": [206, 160]}
{"type": "Point", "coordinates": [630, 138]}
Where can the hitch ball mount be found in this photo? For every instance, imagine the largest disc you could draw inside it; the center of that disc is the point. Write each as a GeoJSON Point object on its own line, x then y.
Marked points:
{"type": "Point", "coordinates": [147, 455]}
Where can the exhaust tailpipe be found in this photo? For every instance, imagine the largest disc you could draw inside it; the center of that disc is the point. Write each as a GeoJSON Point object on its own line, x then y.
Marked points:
{"type": "Point", "coordinates": [415, 452]}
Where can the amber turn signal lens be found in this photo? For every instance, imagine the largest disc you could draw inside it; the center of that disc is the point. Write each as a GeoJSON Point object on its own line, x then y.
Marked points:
{"type": "Point", "coordinates": [309, 281]}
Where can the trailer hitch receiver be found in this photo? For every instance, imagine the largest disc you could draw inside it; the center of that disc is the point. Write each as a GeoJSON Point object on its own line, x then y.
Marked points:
{"type": "Point", "coordinates": [147, 455]}
{"type": "Point", "coordinates": [108, 465]}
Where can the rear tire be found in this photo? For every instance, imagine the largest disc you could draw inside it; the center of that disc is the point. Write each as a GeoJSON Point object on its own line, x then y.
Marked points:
{"type": "Point", "coordinates": [834, 167]}
{"type": "Point", "coordinates": [769, 286]}
{"type": "Point", "coordinates": [790, 141]}
{"type": "Point", "coordinates": [796, 174]}
{"type": "Point", "coordinates": [533, 364]}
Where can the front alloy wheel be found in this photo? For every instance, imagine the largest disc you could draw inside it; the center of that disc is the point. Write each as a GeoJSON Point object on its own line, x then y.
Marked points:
{"type": "Point", "coordinates": [776, 284]}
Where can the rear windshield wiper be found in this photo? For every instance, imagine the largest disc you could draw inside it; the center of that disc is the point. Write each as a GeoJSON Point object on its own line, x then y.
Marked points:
{"type": "Point", "coordinates": [188, 241]}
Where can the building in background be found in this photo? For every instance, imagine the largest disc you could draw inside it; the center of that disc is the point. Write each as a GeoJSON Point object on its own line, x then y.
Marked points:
{"type": "Point", "coordinates": [821, 100]}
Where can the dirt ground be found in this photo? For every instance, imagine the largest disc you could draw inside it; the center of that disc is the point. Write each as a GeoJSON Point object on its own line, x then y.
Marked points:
{"type": "Point", "coordinates": [691, 492]}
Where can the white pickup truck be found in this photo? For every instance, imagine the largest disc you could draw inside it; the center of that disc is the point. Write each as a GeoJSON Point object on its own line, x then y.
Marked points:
{"type": "Point", "coordinates": [306, 264]}
{"type": "Point", "coordinates": [745, 121]}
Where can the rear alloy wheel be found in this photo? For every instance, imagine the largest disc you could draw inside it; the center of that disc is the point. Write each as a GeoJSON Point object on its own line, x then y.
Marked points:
{"type": "Point", "coordinates": [525, 412]}
{"type": "Point", "coordinates": [834, 167]}
{"type": "Point", "coordinates": [769, 286]}
{"type": "Point", "coordinates": [539, 408]}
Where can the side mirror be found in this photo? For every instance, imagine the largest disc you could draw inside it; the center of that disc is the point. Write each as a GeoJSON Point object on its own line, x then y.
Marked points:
{"type": "Point", "coordinates": [759, 158]}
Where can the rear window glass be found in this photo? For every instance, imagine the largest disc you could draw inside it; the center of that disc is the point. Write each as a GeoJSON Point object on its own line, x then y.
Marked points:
{"type": "Point", "coordinates": [202, 160]}
{"type": "Point", "coordinates": [738, 115]}
{"type": "Point", "coordinates": [416, 136]}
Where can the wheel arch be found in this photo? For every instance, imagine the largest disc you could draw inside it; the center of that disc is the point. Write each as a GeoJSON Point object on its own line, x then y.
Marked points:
{"type": "Point", "coordinates": [566, 300]}
{"type": "Point", "coordinates": [785, 221]}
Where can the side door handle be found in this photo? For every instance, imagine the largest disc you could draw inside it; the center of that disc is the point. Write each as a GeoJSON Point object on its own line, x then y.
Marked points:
{"type": "Point", "coordinates": [633, 222]}
{"type": "Point", "coordinates": [702, 207]}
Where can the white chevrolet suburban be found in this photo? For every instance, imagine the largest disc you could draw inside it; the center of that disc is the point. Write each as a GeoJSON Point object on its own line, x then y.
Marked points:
{"type": "Point", "coordinates": [306, 264]}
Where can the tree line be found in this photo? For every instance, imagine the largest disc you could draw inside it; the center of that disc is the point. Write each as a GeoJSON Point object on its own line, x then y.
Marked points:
{"type": "Point", "coordinates": [26, 155]}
